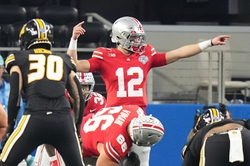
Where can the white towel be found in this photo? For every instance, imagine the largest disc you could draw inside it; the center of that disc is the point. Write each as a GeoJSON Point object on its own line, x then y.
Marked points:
{"type": "Point", "coordinates": [236, 147]}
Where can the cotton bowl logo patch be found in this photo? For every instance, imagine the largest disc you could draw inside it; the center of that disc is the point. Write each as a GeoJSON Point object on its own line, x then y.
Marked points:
{"type": "Point", "coordinates": [143, 59]}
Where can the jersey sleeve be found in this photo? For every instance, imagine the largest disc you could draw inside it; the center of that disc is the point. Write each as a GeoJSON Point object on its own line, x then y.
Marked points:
{"type": "Point", "coordinates": [69, 61]}
{"type": "Point", "coordinates": [10, 61]}
{"type": "Point", "coordinates": [73, 64]}
{"type": "Point", "coordinates": [97, 58]}
{"type": "Point", "coordinates": [187, 160]}
{"type": "Point", "coordinates": [159, 59]}
{"type": "Point", "coordinates": [112, 151]}
{"type": "Point", "coordinates": [117, 143]}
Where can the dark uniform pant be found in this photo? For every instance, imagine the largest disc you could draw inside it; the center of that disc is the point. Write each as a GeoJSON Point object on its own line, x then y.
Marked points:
{"type": "Point", "coordinates": [217, 147]}
{"type": "Point", "coordinates": [52, 127]}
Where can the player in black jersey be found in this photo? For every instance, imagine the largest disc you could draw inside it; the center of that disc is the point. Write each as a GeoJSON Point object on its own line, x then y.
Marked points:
{"type": "Point", "coordinates": [43, 76]}
{"type": "Point", "coordinates": [218, 141]}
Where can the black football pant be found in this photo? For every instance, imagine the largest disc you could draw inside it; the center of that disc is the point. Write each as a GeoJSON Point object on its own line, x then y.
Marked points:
{"type": "Point", "coordinates": [217, 150]}
{"type": "Point", "coordinates": [52, 127]}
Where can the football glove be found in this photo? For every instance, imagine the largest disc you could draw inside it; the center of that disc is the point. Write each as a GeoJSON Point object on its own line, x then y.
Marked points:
{"type": "Point", "coordinates": [131, 159]}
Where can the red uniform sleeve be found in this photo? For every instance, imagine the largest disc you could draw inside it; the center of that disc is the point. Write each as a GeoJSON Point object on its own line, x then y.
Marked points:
{"type": "Point", "coordinates": [159, 59]}
{"type": "Point", "coordinates": [96, 60]}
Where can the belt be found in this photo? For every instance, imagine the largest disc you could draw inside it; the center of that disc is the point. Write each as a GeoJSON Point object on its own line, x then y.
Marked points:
{"type": "Point", "coordinates": [223, 129]}
{"type": "Point", "coordinates": [226, 131]}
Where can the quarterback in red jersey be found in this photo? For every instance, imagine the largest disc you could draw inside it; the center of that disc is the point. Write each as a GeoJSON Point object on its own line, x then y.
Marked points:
{"type": "Point", "coordinates": [124, 69]}
{"type": "Point", "coordinates": [127, 83]}
{"type": "Point", "coordinates": [109, 133]}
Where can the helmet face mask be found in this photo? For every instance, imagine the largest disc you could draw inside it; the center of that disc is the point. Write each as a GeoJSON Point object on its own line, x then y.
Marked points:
{"type": "Point", "coordinates": [87, 82]}
{"type": "Point", "coordinates": [34, 32]}
{"type": "Point", "coordinates": [210, 116]}
{"type": "Point", "coordinates": [128, 33]}
{"type": "Point", "coordinates": [146, 130]}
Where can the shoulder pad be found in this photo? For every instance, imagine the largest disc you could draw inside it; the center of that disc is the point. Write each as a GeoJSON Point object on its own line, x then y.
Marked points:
{"type": "Point", "coordinates": [150, 49]}
{"type": "Point", "coordinates": [10, 61]}
{"type": "Point", "coordinates": [100, 52]}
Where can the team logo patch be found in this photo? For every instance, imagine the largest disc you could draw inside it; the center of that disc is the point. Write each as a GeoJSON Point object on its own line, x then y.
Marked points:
{"type": "Point", "coordinates": [143, 59]}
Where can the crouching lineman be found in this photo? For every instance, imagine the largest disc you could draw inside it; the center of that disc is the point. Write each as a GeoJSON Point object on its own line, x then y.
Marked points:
{"type": "Point", "coordinates": [110, 133]}
{"type": "Point", "coordinates": [217, 141]}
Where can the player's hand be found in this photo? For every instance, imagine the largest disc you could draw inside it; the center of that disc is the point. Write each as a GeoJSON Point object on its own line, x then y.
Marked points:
{"type": "Point", "coordinates": [79, 136]}
{"type": "Point", "coordinates": [78, 30]}
{"type": "Point", "coordinates": [220, 40]}
{"type": "Point", "coordinates": [131, 159]}
{"type": "Point", "coordinates": [6, 136]}
{"type": "Point", "coordinates": [80, 142]}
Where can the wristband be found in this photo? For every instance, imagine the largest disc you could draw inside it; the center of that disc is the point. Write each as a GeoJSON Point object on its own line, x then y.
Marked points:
{"type": "Point", "coordinates": [211, 42]}
{"type": "Point", "coordinates": [205, 44]}
{"type": "Point", "coordinates": [73, 44]}
{"type": "Point", "coordinates": [53, 158]}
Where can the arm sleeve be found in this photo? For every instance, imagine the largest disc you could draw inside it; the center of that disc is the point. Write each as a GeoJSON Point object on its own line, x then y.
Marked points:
{"type": "Point", "coordinates": [187, 161]}
{"type": "Point", "coordinates": [75, 91]}
{"type": "Point", "coordinates": [13, 106]}
{"type": "Point", "coordinates": [94, 64]}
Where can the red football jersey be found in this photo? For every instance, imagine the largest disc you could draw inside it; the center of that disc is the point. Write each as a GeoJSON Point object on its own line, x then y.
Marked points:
{"type": "Point", "coordinates": [125, 76]}
{"type": "Point", "coordinates": [109, 126]}
{"type": "Point", "coordinates": [95, 103]}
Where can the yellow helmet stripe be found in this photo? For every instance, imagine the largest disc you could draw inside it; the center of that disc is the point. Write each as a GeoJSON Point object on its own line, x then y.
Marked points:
{"type": "Point", "coordinates": [41, 26]}
{"type": "Point", "coordinates": [214, 111]}
{"type": "Point", "coordinates": [22, 30]}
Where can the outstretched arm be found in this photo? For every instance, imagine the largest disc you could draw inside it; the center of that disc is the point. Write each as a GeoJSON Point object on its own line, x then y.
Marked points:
{"type": "Point", "coordinates": [81, 65]}
{"type": "Point", "coordinates": [193, 49]}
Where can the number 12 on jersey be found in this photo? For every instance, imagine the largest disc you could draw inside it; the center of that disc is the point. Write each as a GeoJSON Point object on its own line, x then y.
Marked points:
{"type": "Point", "coordinates": [131, 91]}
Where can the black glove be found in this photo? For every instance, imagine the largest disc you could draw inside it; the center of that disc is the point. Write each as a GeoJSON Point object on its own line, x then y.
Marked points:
{"type": "Point", "coordinates": [131, 159]}
{"type": "Point", "coordinates": [223, 108]}
{"type": "Point", "coordinates": [6, 136]}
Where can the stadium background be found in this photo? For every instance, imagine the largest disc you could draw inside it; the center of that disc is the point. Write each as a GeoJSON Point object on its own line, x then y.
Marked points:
{"type": "Point", "coordinates": [177, 117]}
